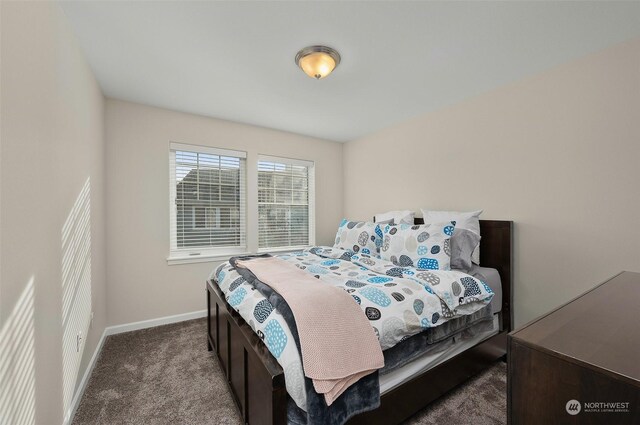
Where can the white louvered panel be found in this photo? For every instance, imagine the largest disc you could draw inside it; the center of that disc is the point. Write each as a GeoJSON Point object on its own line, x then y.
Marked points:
{"type": "Point", "coordinates": [207, 200]}
{"type": "Point", "coordinates": [285, 203]}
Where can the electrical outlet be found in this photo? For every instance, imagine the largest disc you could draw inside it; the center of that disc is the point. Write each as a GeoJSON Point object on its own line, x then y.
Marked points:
{"type": "Point", "coordinates": [78, 342]}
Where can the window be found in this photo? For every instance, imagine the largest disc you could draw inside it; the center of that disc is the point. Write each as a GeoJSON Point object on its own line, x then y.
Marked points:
{"type": "Point", "coordinates": [207, 205]}
{"type": "Point", "coordinates": [285, 203]}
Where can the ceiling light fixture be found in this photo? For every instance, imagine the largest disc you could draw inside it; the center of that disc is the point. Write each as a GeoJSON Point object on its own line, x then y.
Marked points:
{"type": "Point", "coordinates": [317, 61]}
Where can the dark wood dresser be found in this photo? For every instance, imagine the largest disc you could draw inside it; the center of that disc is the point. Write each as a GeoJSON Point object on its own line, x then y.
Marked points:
{"type": "Point", "coordinates": [580, 364]}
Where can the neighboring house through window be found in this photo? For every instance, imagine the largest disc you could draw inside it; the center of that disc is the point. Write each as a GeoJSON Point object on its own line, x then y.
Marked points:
{"type": "Point", "coordinates": [208, 205]}
{"type": "Point", "coordinates": [215, 217]}
{"type": "Point", "coordinates": [286, 198]}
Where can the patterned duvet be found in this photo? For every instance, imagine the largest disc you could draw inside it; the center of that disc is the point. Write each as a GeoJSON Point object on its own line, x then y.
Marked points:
{"type": "Point", "coordinates": [398, 301]}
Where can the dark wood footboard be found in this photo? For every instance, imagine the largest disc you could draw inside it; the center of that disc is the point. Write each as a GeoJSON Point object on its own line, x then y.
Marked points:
{"type": "Point", "coordinates": [257, 380]}
{"type": "Point", "coordinates": [255, 377]}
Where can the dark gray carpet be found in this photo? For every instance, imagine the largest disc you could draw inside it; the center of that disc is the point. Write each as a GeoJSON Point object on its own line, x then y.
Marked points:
{"type": "Point", "coordinates": [165, 375]}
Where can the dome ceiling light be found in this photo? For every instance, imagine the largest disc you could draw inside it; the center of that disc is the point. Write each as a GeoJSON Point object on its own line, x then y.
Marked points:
{"type": "Point", "coordinates": [317, 61]}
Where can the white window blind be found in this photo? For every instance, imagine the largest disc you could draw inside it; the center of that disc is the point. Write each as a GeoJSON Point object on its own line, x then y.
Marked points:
{"type": "Point", "coordinates": [207, 201]}
{"type": "Point", "coordinates": [285, 203]}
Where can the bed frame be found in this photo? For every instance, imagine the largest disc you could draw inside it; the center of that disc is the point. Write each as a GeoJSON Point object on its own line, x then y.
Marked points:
{"type": "Point", "coordinates": [257, 380]}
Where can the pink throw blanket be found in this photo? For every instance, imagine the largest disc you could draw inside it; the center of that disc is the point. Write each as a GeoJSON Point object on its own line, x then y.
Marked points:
{"type": "Point", "coordinates": [338, 344]}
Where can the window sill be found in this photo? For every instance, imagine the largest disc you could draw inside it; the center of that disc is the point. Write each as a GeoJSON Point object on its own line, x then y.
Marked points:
{"type": "Point", "coordinates": [212, 258]}
{"type": "Point", "coordinates": [283, 250]}
{"type": "Point", "coordinates": [205, 258]}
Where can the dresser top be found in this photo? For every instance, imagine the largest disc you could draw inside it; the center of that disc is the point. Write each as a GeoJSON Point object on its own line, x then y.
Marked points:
{"type": "Point", "coordinates": [600, 329]}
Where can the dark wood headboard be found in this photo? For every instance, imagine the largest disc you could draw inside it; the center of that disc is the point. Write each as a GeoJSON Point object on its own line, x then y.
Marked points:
{"type": "Point", "coordinates": [496, 252]}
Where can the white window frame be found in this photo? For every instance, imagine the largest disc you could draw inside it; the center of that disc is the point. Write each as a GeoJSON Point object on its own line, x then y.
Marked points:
{"type": "Point", "coordinates": [203, 254]}
{"type": "Point", "coordinates": [311, 202]}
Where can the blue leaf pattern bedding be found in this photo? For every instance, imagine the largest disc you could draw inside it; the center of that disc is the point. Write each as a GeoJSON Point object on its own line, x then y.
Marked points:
{"type": "Point", "coordinates": [398, 301]}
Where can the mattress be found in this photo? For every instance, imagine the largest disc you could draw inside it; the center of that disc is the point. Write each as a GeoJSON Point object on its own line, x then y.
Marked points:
{"type": "Point", "coordinates": [450, 349]}
{"type": "Point", "coordinates": [435, 339]}
{"type": "Point", "coordinates": [492, 278]}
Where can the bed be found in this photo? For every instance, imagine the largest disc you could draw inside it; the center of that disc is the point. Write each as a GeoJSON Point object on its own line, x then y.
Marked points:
{"type": "Point", "coordinates": [257, 380]}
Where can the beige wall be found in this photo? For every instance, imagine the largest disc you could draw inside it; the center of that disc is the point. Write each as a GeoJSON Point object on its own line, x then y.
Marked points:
{"type": "Point", "coordinates": [141, 284]}
{"type": "Point", "coordinates": [51, 143]}
{"type": "Point", "coordinates": [557, 153]}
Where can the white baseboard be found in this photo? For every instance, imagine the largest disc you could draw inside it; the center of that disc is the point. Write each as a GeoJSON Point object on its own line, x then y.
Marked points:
{"type": "Point", "coordinates": [112, 330]}
{"type": "Point", "coordinates": [151, 323]}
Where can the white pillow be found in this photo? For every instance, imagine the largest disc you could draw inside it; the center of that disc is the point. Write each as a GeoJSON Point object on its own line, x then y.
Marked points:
{"type": "Point", "coordinates": [398, 217]}
{"type": "Point", "coordinates": [464, 220]}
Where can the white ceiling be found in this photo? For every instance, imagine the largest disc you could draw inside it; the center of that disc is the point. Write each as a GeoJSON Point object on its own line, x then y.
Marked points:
{"type": "Point", "coordinates": [235, 60]}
